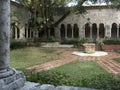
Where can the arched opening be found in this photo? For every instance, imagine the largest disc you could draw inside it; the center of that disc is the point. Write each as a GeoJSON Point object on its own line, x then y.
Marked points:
{"type": "Point", "coordinates": [25, 30]}
{"type": "Point", "coordinates": [101, 30]}
{"type": "Point", "coordinates": [18, 33]}
{"type": "Point", "coordinates": [94, 30]}
{"type": "Point", "coordinates": [75, 31]}
{"type": "Point", "coordinates": [114, 30]}
{"type": "Point", "coordinates": [31, 34]}
{"type": "Point", "coordinates": [40, 33]}
{"type": "Point", "coordinates": [69, 31]}
{"type": "Point", "coordinates": [87, 30]}
{"type": "Point", "coordinates": [52, 32]}
{"type": "Point", "coordinates": [62, 31]}
{"type": "Point", "coordinates": [13, 32]}
{"type": "Point", "coordinates": [119, 30]}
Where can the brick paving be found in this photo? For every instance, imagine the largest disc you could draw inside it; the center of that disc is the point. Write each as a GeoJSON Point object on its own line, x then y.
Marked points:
{"type": "Point", "coordinates": [106, 62]}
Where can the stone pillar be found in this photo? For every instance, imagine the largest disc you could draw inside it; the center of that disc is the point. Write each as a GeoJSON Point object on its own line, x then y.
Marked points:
{"type": "Point", "coordinates": [90, 31]}
{"type": "Point", "coordinates": [10, 79]}
{"type": "Point", "coordinates": [98, 32]}
{"type": "Point", "coordinates": [117, 31]}
{"type": "Point", "coordinates": [4, 34]}
{"type": "Point", "coordinates": [57, 32]}
{"type": "Point", "coordinates": [72, 30]}
{"type": "Point", "coordinates": [65, 31]}
{"type": "Point", "coordinates": [26, 31]}
{"type": "Point", "coordinates": [107, 31]}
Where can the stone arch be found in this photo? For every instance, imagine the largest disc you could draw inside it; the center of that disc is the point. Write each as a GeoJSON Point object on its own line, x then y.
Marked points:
{"type": "Point", "coordinates": [69, 31]}
{"type": "Point", "coordinates": [87, 30]}
{"type": "Point", "coordinates": [75, 31]}
{"type": "Point", "coordinates": [62, 31]}
{"type": "Point", "coordinates": [94, 30]}
{"type": "Point", "coordinates": [114, 30]}
{"type": "Point", "coordinates": [101, 30]}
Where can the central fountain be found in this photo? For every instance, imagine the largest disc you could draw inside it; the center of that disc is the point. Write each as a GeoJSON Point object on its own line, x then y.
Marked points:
{"type": "Point", "coordinates": [89, 50]}
{"type": "Point", "coordinates": [89, 47]}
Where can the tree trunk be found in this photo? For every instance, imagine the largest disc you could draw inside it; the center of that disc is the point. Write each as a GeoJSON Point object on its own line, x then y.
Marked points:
{"type": "Point", "coordinates": [4, 33]}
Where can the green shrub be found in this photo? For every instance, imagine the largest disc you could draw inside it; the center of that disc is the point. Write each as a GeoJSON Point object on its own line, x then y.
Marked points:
{"type": "Point", "coordinates": [52, 39]}
{"type": "Point", "coordinates": [102, 81]}
{"type": "Point", "coordinates": [17, 44]}
{"type": "Point", "coordinates": [111, 41]}
{"type": "Point", "coordinates": [55, 78]}
{"type": "Point", "coordinates": [74, 41]}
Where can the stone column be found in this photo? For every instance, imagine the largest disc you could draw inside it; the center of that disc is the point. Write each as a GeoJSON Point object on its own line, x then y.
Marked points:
{"type": "Point", "coordinates": [65, 31]}
{"type": "Point", "coordinates": [117, 31]}
{"type": "Point", "coordinates": [57, 32]}
{"type": "Point", "coordinates": [90, 31]}
{"type": "Point", "coordinates": [26, 31]}
{"type": "Point", "coordinates": [4, 33]}
{"type": "Point", "coordinates": [72, 30]}
{"type": "Point", "coordinates": [10, 79]}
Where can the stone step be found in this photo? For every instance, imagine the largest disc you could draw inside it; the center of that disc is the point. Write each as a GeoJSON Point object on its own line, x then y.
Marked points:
{"type": "Point", "coordinates": [36, 86]}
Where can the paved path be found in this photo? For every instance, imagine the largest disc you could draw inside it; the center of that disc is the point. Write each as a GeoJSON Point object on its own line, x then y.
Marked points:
{"type": "Point", "coordinates": [66, 57]}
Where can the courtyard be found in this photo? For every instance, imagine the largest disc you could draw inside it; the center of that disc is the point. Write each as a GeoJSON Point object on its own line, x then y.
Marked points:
{"type": "Point", "coordinates": [72, 36]}
{"type": "Point", "coordinates": [52, 64]}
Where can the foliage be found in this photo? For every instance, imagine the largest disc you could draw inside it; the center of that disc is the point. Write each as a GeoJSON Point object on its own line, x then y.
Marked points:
{"type": "Point", "coordinates": [55, 78]}
{"type": "Point", "coordinates": [101, 81]}
{"type": "Point", "coordinates": [52, 39]}
{"type": "Point", "coordinates": [30, 56]}
{"type": "Point", "coordinates": [111, 41]}
{"type": "Point", "coordinates": [17, 45]}
{"type": "Point", "coordinates": [74, 41]}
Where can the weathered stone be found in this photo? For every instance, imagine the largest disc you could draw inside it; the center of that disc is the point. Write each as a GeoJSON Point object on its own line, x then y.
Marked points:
{"type": "Point", "coordinates": [1, 82]}
{"type": "Point", "coordinates": [29, 86]}
{"type": "Point", "coordinates": [47, 87]}
{"type": "Point", "coordinates": [11, 82]}
{"type": "Point", "coordinates": [71, 88]}
{"type": "Point", "coordinates": [89, 47]}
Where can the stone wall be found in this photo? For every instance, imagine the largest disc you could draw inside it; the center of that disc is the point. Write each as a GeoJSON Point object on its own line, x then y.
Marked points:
{"type": "Point", "coordinates": [94, 14]}
{"type": "Point", "coordinates": [21, 15]}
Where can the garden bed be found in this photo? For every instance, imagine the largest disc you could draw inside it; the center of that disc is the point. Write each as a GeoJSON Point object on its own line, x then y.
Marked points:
{"type": "Point", "coordinates": [110, 47]}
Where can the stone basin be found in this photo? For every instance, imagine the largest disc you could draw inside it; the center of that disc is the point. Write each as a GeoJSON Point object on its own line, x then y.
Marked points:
{"type": "Point", "coordinates": [89, 47]}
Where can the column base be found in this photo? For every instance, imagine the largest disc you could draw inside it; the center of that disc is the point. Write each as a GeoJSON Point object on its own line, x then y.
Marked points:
{"type": "Point", "coordinates": [11, 79]}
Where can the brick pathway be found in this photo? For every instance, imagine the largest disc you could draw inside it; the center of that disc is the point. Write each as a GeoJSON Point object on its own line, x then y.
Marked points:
{"type": "Point", "coordinates": [66, 57]}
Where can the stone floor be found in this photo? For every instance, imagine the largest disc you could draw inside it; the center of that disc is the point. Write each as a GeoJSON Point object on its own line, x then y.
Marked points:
{"type": "Point", "coordinates": [106, 62]}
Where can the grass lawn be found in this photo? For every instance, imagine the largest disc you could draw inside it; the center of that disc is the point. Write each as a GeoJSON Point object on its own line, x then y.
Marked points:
{"type": "Point", "coordinates": [81, 74]}
{"type": "Point", "coordinates": [81, 69]}
{"type": "Point", "coordinates": [30, 56]}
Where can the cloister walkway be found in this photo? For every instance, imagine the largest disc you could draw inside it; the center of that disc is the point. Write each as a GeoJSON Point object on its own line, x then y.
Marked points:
{"type": "Point", "coordinates": [106, 62]}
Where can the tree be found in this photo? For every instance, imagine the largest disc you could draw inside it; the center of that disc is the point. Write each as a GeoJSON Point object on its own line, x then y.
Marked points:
{"type": "Point", "coordinates": [42, 11]}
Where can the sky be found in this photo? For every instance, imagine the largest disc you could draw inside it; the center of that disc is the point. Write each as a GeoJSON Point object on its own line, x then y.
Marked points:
{"type": "Point", "coordinates": [89, 3]}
